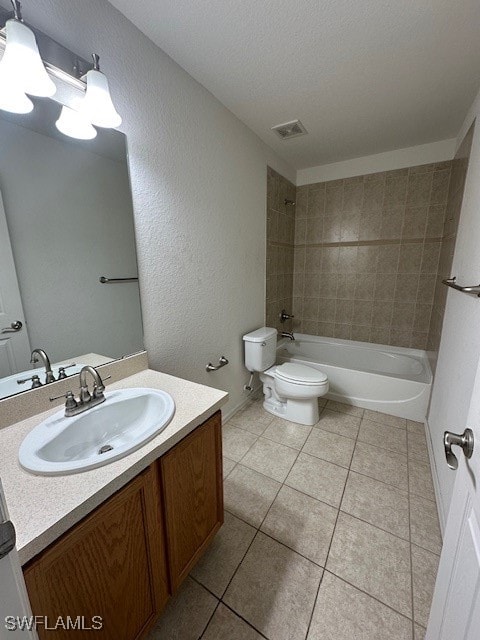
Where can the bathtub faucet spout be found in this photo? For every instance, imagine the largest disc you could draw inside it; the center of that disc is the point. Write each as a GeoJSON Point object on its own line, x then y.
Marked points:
{"type": "Point", "coordinates": [287, 334]}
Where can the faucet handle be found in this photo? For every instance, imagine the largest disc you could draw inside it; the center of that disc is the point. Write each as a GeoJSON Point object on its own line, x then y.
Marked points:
{"type": "Point", "coordinates": [98, 390]}
{"type": "Point", "coordinates": [70, 402]}
{"type": "Point", "coordinates": [35, 381]}
{"type": "Point", "coordinates": [284, 316]}
{"type": "Point", "coordinates": [61, 371]}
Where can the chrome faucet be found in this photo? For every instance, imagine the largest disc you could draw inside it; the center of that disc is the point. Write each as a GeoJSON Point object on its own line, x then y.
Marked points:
{"type": "Point", "coordinates": [86, 400]}
{"type": "Point", "coordinates": [42, 356]}
{"type": "Point", "coordinates": [287, 334]}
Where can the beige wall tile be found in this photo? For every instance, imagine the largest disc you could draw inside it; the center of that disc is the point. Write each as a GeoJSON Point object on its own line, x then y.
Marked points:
{"type": "Point", "coordinates": [419, 189]}
{"type": "Point", "coordinates": [395, 191]}
{"type": "Point", "coordinates": [368, 253]}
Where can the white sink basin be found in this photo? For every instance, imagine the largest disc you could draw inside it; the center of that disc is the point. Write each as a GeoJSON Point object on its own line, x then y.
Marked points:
{"type": "Point", "coordinates": [124, 422]}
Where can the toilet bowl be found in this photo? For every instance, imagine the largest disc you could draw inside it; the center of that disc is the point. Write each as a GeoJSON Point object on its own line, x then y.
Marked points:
{"type": "Point", "coordinates": [291, 390]}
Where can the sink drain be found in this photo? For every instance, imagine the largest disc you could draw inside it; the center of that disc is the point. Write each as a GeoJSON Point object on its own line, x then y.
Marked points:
{"type": "Point", "coordinates": [105, 448]}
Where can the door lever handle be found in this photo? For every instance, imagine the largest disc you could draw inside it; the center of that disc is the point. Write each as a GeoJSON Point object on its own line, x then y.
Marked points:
{"type": "Point", "coordinates": [464, 441]}
{"type": "Point", "coordinates": [13, 328]}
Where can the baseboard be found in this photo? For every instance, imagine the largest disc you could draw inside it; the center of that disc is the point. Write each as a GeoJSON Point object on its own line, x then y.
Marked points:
{"type": "Point", "coordinates": [442, 516]}
{"type": "Point", "coordinates": [253, 395]}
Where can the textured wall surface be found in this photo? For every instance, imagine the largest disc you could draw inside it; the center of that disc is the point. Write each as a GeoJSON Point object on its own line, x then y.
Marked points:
{"type": "Point", "coordinates": [280, 247]}
{"type": "Point", "coordinates": [199, 189]}
{"type": "Point", "coordinates": [452, 218]}
{"type": "Point", "coordinates": [366, 255]}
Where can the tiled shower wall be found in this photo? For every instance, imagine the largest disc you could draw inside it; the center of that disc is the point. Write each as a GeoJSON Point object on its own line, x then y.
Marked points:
{"type": "Point", "coordinates": [280, 248]}
{"type": "Point", "coordinates": [366, 255]}
{"type": "Point", "coordinates": [454, 204]}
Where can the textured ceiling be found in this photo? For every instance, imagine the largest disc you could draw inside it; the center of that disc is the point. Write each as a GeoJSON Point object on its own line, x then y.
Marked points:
{"type": "Point", "coordinates": [364, 76]}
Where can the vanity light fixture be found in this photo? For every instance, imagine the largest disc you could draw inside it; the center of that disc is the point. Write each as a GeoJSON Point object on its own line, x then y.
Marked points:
{"type": "Point", "coordinates": [97, 105]}
{"type": "Point", "coordinates": [21, 69]}
{"type": "Point", "coordinates": [24, 73]}
{"type": "Point", "coordinates": [72, 123]}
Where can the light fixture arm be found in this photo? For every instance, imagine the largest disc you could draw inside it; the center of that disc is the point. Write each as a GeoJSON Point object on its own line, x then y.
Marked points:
{"type": "Point", "coordinates": [17, 10]}
{"type": "Point", "coordinates": [96, 61]}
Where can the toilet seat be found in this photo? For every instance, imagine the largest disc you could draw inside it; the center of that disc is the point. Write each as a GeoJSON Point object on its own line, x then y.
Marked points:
{"type": "Point", "coordinates": [300, 374]}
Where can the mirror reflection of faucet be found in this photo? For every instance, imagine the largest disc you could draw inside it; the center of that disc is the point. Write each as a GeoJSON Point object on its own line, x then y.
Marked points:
{"type": "Point", "coordinates": [40, 355]}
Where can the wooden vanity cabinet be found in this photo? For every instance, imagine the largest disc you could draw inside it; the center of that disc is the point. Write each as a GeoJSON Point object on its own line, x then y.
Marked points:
{"type": "Point", "coordinates": [124, 560]}
{"type": "Point", "coordinates": [192, 482]}
{"type": "Point", "coordinates": [111, 565]}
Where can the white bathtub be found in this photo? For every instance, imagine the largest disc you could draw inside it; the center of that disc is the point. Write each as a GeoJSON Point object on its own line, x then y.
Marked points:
{"type": "Point", "coordinates": [392, 380]}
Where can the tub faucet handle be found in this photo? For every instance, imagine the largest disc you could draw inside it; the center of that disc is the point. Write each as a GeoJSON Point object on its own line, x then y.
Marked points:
{"type": "Point", "coordinates": [284, 316]}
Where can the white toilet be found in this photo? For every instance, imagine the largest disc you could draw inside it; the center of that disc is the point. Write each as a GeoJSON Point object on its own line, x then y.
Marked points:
{"type": "Point", "coordinates": [291, 390]}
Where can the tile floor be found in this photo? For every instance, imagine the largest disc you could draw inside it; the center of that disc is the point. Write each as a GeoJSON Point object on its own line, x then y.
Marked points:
{"type": "Point", "coordinates": [331, 533]}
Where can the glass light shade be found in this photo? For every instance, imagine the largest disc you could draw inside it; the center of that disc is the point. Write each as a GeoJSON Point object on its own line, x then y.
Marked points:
{"type": "Point", "coordinates": [73, 124]}
{"type": "Point", "coordinates": [22, 64]}
{"type": "Point", "coordinates": [11, 98]}
{"type": "Point", "coordinates": [97, 105]}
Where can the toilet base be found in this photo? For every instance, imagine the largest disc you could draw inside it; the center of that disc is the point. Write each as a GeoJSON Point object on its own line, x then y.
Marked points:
{"type": "Point", "coordinates": [299, 411]}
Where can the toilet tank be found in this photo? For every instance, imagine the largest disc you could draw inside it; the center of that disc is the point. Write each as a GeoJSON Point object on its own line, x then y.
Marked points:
{"type": "Point", "coordinates": [260, 349]}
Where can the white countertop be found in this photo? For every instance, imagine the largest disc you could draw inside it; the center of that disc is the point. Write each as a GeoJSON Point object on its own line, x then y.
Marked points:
{"type": "Point", "coordinates": [43, 507]}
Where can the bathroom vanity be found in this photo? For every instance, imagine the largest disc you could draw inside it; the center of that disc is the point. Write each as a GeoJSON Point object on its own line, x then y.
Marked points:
{"type": "Point", "coordinates": [117, 541]}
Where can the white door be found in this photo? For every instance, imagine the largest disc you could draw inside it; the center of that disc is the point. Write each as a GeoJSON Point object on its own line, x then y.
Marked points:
{"type": "Point", "coordinates": [455, 612]}
{"type": "Point", "coordinates": [15, 613]}
{"type": "Point", "coordinates": [14, 343]}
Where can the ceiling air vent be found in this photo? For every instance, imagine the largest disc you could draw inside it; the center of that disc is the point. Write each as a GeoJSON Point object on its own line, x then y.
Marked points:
{"type": "Point", "coordinates": [290, 129]}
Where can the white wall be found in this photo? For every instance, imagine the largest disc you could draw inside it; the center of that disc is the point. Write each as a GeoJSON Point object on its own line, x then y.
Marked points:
{"type": "Point", "coordinates": [199, 191]}
{"type": "Point", "coordinates": [69, 214]}
{"type": "Point", "coordinates": [388, 161]}
{"type": "Point", "coordinates": [460, 343]}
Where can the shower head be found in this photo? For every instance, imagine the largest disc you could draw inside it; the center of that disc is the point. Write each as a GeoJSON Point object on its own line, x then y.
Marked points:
{"type": "Point", "coordinates": [289, 202]}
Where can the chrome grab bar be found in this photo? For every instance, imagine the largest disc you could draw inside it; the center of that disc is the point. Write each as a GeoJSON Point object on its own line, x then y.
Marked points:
{"type": "Point", "coordinates": [450, 282]}
{"type": "Point", "coordinates": [105, 280]}
{"type": "Point", "coordinates": [221, 363]}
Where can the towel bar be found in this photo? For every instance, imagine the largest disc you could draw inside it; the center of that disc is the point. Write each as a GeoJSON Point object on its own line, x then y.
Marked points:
{"type": "Point", "coordinates": [450, 282]}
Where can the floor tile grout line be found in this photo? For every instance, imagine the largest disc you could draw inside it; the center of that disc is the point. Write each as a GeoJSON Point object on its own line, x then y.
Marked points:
{"type": "Point", "coordinates": [288, 445]}
{"type": "Point", "coordinates": [395, 535]}
{"type": "Point", "coordinates": [338, 508]}
{"type": "Point", "coordinates": [281, 485]}
{"type": "Point", "coordinates": [387, 484]}
{"type": "Point", "coordinates": [412, 603]}
{"type": "Point", "coordinates": [238, 567]}
{"type": "Point", "coordinates": [382, 449]}
{"type": "Point", "coordinates": [331, 539]}
{"type": "Point", "coordinates": [324, 569]}
{"type": "Point", "coordinates": [414, 544]}
{"type": "Point", "coordinates": [332, 573]}
{"type": "Point", "coordinates": [210, 618]}
{"type": "Point", "coordinates": [351, 515]}
{"type": "Point", "coordinates": [408, 493]}
{"type": "Point", "coordinates": [254, 442]}
{"type": "Point", "coordinates": [229, 607]}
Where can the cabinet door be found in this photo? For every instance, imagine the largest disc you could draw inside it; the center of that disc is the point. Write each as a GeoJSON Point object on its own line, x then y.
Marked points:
{"type": "Point", "coordinates": [110, 565]}
{"type": "Point", "coordinates": [193, 496]}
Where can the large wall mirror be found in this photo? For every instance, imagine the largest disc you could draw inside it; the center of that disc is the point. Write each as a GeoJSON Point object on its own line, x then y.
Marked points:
{"type": "Point", "coordinates": [66, 220]}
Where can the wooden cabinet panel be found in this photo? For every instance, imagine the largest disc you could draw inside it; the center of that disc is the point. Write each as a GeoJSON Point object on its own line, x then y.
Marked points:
{"type": "Point", "coordinates": [111, 565]}
{"type": "Point", "coordinates": [192, 485]}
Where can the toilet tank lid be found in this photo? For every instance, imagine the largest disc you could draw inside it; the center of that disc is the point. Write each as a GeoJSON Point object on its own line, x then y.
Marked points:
{"type": "Point", "coordinates": [260, 335]}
